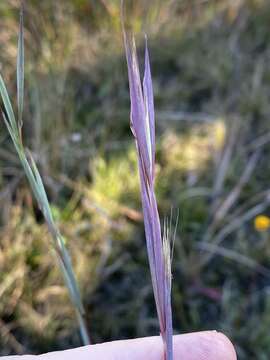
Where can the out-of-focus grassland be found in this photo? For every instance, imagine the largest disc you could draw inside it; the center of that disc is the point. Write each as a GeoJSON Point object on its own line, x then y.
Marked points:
{"type": "Point", "coordinates": [210, 65]}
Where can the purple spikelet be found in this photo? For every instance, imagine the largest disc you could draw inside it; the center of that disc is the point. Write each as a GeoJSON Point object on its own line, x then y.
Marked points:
{"type": "Point", "coordinates": [142, 120]}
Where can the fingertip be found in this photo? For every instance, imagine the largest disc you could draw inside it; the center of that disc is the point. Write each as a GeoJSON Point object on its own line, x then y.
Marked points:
{"type": "Point", "coordinates": [225, 345]}
{"type": "Point", "coordinates": [210, 345]}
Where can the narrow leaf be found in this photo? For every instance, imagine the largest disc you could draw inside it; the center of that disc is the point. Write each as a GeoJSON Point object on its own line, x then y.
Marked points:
{"type": "Point", "coordinates": [7, 104]}
{"type": "Point", "coordinates": [36, 184]}
{"type": "Point", "coordinates": [20, 71]}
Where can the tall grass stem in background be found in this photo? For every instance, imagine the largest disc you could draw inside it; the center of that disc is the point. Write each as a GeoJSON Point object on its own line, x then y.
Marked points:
{"type": "Point", "coordinates": [143, 129]}
{"type": "Point", "coordinates": [15, 130]}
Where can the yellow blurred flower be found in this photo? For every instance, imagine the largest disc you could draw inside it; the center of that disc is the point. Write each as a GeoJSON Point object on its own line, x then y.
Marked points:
{"type": "Point", "coordinates": [262, 223]}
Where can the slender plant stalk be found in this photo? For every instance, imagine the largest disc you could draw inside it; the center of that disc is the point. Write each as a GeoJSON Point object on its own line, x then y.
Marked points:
{"type": "Point", "coordinates": [158, 246]}
{"type": "Point", "coordinates": [31, 171]}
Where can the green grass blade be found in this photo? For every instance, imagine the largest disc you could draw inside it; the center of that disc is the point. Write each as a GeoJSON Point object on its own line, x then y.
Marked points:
{"type": "Point", "coordinates": [20, 71]}
{"type": "Point", "coordinates": [8, 106]}
{"type": "Point", "coordinates": [36, 183]}
{"type": "Point", "coordinates": [10, 130]}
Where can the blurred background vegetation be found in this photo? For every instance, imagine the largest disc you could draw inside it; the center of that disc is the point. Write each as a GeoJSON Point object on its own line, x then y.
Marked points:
{"type": "Point", "coordinates": [210, 65]}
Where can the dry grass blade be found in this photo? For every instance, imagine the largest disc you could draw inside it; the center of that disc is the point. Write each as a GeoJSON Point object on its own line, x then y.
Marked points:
{"type": "Point", "coordinates": [235, 224]}
{"type": "Point", "coordinates": [234, 256]}
{"type": "Point", "coordinates": [222, 211]}
{"type": "Point", "coordinates": [224, 163]}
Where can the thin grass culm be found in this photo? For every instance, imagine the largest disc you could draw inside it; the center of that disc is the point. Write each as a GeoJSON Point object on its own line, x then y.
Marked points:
{"type": "Point", "coordinates": [15, 130]}
{"type": "Point", "coordinates": [158, 245]}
